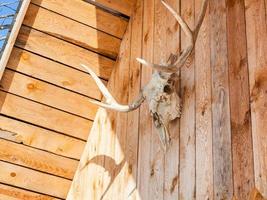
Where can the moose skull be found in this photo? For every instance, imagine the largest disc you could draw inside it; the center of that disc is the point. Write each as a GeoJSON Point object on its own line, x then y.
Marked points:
{"type": "Point", "coordinates": [161, 91]}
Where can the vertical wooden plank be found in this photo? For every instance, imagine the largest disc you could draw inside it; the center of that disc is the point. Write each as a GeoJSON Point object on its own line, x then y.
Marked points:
{"type": "Point", "coordinates": [187, 123]}
{"type": "Point", "coordinates": [157, 154]}
{"type": "Point", "coordinates": [121, 92]}
{"type": "Point", "coordinates": [145, 124]}
{"type": "Point", "coordinates": [257, 60]}
{"type": "Point", "coordinates": [204, 167]}
{"type": "Point", "coordinates": [131, 148]}
{"type": "Point", "coordinates": [171, 163]}
{"type": "Point", "coordinates": [222, 157]}
{"type": "Point", "coordinates": [239, 100]}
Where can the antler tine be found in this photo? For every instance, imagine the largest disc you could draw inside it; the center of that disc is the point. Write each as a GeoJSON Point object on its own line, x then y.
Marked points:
{"type": "Point", "coordinates": [200, 18]}
{"type": "Point", "coordinates": [111, 103]}
{"type": "Point", "coordinates": [174, 67]}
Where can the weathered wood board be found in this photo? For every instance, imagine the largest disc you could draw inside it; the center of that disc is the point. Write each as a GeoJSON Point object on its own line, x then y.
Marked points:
{"type": "Point", "coordinates": [218, 148]}
{"type": "Point", "coordinates": [45, 109]}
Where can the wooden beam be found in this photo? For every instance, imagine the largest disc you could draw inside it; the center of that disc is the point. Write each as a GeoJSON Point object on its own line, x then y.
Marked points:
{"type": "Point", "coordinates": [36, 159]}
{"type": "Point", "coordinates": [34, 181]}
{"type": "Point", "coordinates": [71, 31]}
{"type": "Point", "coordinates": [88, 14]}
{"type": "Point", "coordinates": [44, 116]}
{"type": "Point", "coordinates": [64, 52]}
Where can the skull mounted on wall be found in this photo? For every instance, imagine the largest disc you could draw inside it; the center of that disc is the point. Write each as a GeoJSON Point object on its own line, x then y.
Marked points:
{"type": "Point", "coordinates": [161, 91]}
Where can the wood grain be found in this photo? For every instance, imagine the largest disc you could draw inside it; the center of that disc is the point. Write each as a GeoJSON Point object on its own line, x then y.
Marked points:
{"type": "Point", "coordinates": [32, 180]}
{"type": "Point", "coordinates": [156, 180]}
{"type": "Point", "coordinates": [145, 124]}
{"type": "Point", "coordinates": [171, 163]}
{"type": "Point", "coordinates": [53, 72]}
{"type": "Point", "coordinates": [187, 121]}
{"type": "Point", "coordinates": [134, 83]}
{"type": "Point", "coordinates": [257, 61]}
{"type": "Point", "coordinates": [118, 185]}
{"type": "Point", "coordinates": [242, 149]}
{"type": "Point", "coordinates": [222, 154]}
{"type": "Point", "coordinates": [44, 116]}
{"type": "Point", "coordinates": [23, 133]}
{"type": "Point", "coordinates": [204, 160]}
{"type": "Point", "coordinates": [62, 51]}
{"type": "Point", "coordinates": [88, 14]}
{"type": "Point", "coordinates": [103, 163]}
{"type": "Point", "coordinates": [13, 193]}
{"type": "Point", "coordinates": [36, 159]}
{"type": "Point", "coordinates": [125, 7]}
{"type": "Point", "coordinates": [210, 157]}
{"type": "Point", "coordinates": [72, 31]}
{"type": "Point", "coordinates": [44, 93]}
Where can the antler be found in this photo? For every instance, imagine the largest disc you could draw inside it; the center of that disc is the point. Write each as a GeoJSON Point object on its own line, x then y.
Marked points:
{"type": "Point", "coordinates": [192, 36]}
{"type": "Point", "coordinates": [111, 103]}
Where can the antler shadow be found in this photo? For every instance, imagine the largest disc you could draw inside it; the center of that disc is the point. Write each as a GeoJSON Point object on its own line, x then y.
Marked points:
{"type": "Point", "coordinates": [110, 166]}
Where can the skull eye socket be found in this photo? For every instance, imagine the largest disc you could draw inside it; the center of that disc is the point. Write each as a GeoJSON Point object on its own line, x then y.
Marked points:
{"type": "Point", "coordinates": [167, 89]}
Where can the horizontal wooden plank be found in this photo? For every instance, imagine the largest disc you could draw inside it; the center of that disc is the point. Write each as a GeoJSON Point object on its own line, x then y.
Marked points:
{"type": "Point", "coordinates": [32, 180]}
{"type": "Point", "coordinates": [12, 193]}
{"type": "Point", "coordinates": [72, 31]}
{"type": "Point", "coordinates": [88, 14]}
{"type": "Point", "coordinates": [48, 94]}
{"type": "Point", "coordinates": [36, 159]}
{"type": "Point", "coordinates": [125, 7]}
{"type": "Point", "coordinates": [40, 138]}
{"type": "Point", "coordinates": [44, 116]}
{"type": "Point", "coordinates": [63, 51]}
{"type": "Point", "coordinates": [53, 72]}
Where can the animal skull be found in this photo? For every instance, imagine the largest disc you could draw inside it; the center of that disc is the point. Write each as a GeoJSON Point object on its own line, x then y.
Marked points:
{"type": "Point", "coordinates": [164, 103]}
{"type": "Point", "coordinates": [161, 91]}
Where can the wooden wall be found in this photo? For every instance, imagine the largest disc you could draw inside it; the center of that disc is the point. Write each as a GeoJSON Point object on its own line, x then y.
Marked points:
{"type": "Point", "coordinates": [45, 115]}
{"type": "Point", "coordinates": [219, 146]}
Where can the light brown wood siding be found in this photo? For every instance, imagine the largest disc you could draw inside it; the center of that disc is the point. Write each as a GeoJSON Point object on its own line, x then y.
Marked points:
{"type": "Point", "coordinates": [218, 147]}
{"type": "Point", "coordinates": [45, 113]}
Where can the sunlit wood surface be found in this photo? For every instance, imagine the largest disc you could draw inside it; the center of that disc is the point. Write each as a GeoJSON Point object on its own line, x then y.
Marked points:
{"type": "Point", "coordinates": [45, 113]}
{"type": "Point", "coordinates": [218, 147]}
